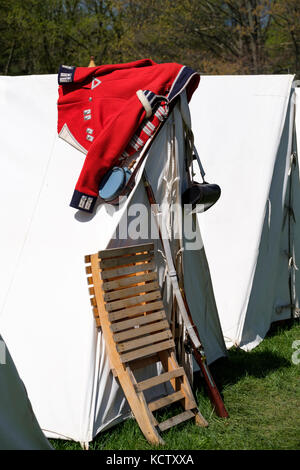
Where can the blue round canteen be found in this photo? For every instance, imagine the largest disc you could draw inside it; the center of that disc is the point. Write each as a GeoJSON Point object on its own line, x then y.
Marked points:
{"type": "Point", "coordinates": [113, 183]}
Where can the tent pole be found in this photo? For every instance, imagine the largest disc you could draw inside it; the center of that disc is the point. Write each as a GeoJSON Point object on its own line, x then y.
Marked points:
{"type": "Point", "coordinates": [291, 215]}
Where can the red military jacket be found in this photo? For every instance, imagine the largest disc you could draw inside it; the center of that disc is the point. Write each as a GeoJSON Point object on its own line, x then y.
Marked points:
{"type": "Point", "coordinates": [108, 112]}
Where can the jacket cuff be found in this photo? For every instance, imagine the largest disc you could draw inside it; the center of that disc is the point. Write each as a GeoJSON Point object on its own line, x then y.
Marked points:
{"type": "Point", "coordinates": [149, 100]}
{"type": "Point", "coordinates": [66, 74]}
{"type": "Point", "coordinates": [82, 201]}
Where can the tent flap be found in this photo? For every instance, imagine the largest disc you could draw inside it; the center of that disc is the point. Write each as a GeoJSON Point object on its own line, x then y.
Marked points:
{"type": "Point", "coordinates": [243, 131]}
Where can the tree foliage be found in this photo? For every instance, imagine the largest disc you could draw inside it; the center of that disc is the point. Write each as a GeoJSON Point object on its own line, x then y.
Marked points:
{"type": "Point", "coordinates": [284, 39]}
{"type": "Point", "coordinates": [213, 36]}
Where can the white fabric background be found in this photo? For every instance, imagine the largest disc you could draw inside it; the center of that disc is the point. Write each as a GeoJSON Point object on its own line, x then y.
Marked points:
{"type": "Point", "coordinates": [45, 314]}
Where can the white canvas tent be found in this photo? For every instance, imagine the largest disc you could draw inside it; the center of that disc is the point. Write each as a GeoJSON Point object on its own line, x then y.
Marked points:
{"type": "Point", "coordinates": [45, 311]}
{"type": "Point", "coordinates": [19, 429]}
{"type": "Point", "coordinates": [245, 134]}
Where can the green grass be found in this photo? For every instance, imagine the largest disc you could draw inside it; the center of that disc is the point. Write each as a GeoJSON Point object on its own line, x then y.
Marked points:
{"type": "Point", "coordinates": [261, 391]}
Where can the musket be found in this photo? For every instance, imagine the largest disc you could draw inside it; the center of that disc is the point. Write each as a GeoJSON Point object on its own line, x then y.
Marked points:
{"type": "Point", "coordinates": [192, 331]}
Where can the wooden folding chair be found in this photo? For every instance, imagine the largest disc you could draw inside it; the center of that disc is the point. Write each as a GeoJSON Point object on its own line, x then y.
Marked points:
{"type": "Point", "coordinates": [128, 307]}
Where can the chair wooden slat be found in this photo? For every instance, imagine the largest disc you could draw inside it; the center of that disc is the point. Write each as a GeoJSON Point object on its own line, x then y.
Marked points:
{"type": "Point", "coordinates": [114, 252]}
{"type": "Point", "coordinates": [130, 356]}
{"type": "Point", "coordinates": [131, 301]}
{"type": "Point", "coordinates": [129, 281]}
{"type": "Point", "coordinates": [124, 271]}
{"type": "Point", "coordinates": [140, 320]}
{"type": "Point", "coordinates": [130, 291]}
{"type": "Point", "coordinates": [141, 330]}
{"type": "Point", "coordinates": [125, 260]}
{"type": "Point", "coordinates": [159, 379]}
{"type": "Point", "coordinates": [129, 312]}
{"type": "Point", "coordinates": [175, 420]}
{"type": "Point", "coordinates": [166, 401]}
{"type": "Point", "coordinates": [143, 341]}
